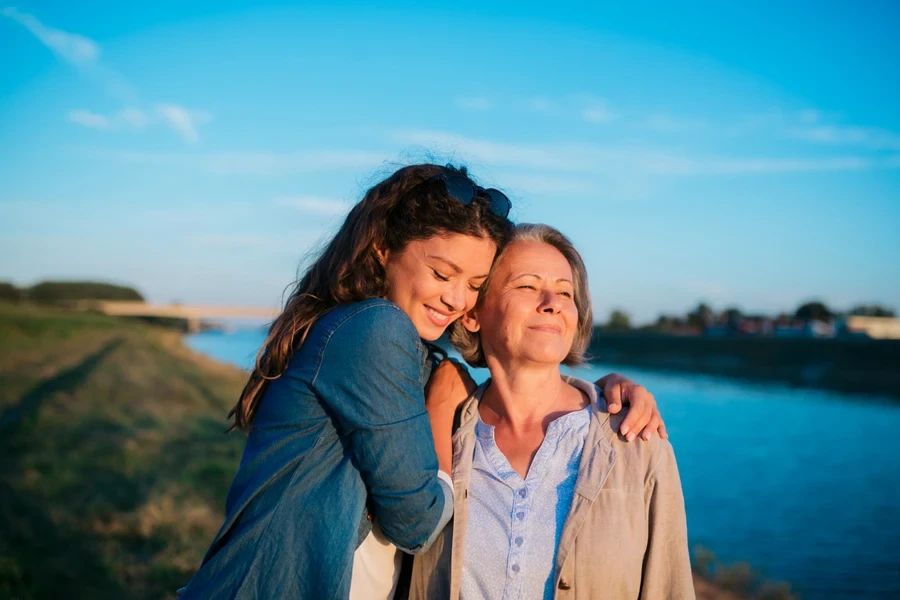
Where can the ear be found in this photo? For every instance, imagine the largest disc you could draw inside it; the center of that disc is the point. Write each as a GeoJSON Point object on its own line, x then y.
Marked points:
{"type": "Point", "coordinates": [470, 322]}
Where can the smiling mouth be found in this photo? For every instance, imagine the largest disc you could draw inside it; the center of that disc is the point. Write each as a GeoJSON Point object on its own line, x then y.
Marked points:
{"type": "Point", "coordinates": [438, 318]}
{"type": "Point", "coordinates": [547, 329]}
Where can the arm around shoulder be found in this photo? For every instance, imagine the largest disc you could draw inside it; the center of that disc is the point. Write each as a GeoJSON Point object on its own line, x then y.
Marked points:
{"type": "Point", "coordinates": [369, 377]}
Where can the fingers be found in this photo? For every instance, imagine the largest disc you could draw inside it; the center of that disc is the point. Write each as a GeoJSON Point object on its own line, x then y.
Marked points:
{"type": "Point", "coordinates": [642, 407]}
{"type": "Point", "coordinates": [652, 426]}
{"type": "Point", "coordinates": [613, 395]}
{"type": "Point", "coordinates": [662, 430]}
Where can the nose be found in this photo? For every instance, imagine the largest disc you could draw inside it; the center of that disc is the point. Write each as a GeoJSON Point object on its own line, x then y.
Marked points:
{"type": "Point", "coordinates": [550, 302]}
{"type": "Point", "coordinates": [455, 296]}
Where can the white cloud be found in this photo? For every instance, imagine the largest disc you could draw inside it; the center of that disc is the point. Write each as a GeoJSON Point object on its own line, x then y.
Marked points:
{"type": "Point", "coordinates": [88, 119]}
{"type": "Point", "coordinates": [878, 139]}
{"type": "Point", "coordinates": [249, 163]}
{"type": "Point", "coordinates": [129, 118]}
{"type": "Point", "coordinates": [75, 49]}
{"type": "Point", "coordinates": [183, 121]}
{"type": "Point", "coordinates": [666, 123]}
{"type": "Point", "coordinates": [810, 116]}
{"type": "Point", "coordinates": [314, 204]}
{"type": "Point", "coordinates": [596, 110]}
{"type": "Point", "coordinates": [134, 117]}
{"type": "Point", "coordinates": [84, 54]}
{"type": "Point", "coordinates": [473, 103]}
{"type": "Point", "coordinates": [540, 105]}
{"type": "Point", "coordinates": [632, 161]}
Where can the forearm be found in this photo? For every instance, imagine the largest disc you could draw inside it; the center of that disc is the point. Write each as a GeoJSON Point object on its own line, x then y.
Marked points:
{"type": "Point", "coordinates": [441, 419]}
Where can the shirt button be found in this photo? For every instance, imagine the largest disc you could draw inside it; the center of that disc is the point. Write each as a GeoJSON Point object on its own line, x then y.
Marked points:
{"type": "Point", "coordinates": [520, 515]}
{"type": "Point", "coordinates": [519, 541]}
{"type": "Point", "coordinates": [523, 492]}
{"type": "Point", "coordinates": [515, 568]}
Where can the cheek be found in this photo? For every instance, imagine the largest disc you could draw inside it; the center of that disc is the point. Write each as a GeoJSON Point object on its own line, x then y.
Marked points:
{"type": "Point", "coordinates": [572, 320]}
{"type": "Point", "coordinates": [471, 299]}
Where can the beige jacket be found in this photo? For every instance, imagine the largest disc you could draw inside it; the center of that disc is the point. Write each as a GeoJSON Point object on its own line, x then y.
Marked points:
{"type": "Point", "coordinates": [625, 536]}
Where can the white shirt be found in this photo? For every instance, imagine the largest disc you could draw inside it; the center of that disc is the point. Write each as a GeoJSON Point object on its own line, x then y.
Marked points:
{"type": "Point", "coordinates": [376, 564]}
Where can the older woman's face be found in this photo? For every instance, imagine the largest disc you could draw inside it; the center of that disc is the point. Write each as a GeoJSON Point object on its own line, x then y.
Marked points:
{"type": "Point", "coordinates": [529, 312]}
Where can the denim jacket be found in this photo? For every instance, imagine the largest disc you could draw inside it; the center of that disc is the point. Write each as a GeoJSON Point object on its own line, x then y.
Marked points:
{"type": "Point", "coordinates": [342, 435]}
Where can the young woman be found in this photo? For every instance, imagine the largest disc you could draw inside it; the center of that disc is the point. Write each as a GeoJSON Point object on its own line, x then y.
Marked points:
{"type": "Point", "coordinates": [338, 433]}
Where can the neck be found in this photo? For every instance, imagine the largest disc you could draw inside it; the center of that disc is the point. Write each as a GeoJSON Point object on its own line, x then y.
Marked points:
{"type": "Point", "coordinates": [524, 397]}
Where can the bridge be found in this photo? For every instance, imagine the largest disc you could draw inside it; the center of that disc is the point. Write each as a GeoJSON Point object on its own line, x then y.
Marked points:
{"type": "Point", "coordinates": [191, 314]}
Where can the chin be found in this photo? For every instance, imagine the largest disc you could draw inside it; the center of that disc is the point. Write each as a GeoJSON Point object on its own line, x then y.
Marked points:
{"type": "Point", "coordinates": [428, 331]}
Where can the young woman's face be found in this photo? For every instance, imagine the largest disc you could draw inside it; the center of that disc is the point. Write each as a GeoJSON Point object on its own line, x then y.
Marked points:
{"type": "Point", "coordinates": [436, 281]}
{"type": "Point", "coordinates": [529, 312]}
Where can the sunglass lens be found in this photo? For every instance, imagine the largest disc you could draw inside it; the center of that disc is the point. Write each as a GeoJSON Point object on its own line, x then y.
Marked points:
{"type": "Point", "coordinates": [500, 204]}
{"type": "Point", "coordinates": [460, 188]}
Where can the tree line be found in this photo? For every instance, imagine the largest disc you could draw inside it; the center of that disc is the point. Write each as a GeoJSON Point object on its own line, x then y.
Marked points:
{"type": "Point", "coordinates": [703, 316]}
{"type": "Point", "coordinates": [63, 292]}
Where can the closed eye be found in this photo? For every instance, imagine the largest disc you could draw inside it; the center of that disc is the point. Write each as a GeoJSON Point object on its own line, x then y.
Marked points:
{"type": "Point", "coordinates": [439, 276]}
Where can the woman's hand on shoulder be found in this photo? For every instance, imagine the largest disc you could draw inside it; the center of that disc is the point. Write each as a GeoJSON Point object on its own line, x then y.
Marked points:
{"type": "Point", "coordinates": [643, 415]}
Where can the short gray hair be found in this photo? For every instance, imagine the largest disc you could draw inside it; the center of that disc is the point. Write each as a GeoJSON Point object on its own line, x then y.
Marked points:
{"type": "Point", "coordinates": [469, 344]}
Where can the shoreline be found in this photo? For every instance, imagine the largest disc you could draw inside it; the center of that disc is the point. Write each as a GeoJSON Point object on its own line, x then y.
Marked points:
{"type": "Point", "coordinates": [857, 366]}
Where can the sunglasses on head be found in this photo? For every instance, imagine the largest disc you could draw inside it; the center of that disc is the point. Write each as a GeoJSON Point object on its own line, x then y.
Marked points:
{"type": "Point", "coordinates": [462, 189]}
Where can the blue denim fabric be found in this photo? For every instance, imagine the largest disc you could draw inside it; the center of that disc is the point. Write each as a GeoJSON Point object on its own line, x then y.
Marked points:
{"type": "Point", "coordinates": [342, 430]}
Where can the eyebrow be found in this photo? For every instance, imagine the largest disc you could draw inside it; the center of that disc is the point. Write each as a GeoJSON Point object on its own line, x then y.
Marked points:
{"type": "Point", "coordinates": [539, 277]}
{"type": "Point", "coordinates": [452, 265]}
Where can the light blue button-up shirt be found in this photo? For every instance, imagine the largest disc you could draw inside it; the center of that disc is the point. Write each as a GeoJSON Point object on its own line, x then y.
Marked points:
{"type": "Point", "coordinates": [515, 525]}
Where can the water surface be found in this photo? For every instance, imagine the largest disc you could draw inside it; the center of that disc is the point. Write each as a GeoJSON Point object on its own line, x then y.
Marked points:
{"type": "Point", "coordinates": [802, 484]}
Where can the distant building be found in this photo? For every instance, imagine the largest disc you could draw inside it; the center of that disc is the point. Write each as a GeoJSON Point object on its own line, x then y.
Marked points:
{"type": "Point", "coordinates": [886, 328]}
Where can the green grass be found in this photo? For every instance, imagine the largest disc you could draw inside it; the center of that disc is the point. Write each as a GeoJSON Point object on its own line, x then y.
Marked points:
{"type": "Point", "coordinates": [115, 465]}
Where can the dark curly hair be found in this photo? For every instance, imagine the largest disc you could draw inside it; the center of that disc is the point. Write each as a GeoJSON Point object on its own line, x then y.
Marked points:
{"type": "Point", "coordinates": [393, 213]}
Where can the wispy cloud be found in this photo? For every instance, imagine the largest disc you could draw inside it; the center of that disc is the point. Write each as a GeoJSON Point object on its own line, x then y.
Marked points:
{"type": "Point", "coordinates": [313, 204]}
{"type": "Point", "coordinates": [869, 137]}
{"type": "Point", "coordinates": [540, 105]}
{"type": "Point", "coordinates": [809, 116]}
{"type": "Point", "coordinates": [71, 47]}
{"type": "Point", "coordinates": [135, 117]}
{"type": "Point", "coordinates": [84, 54]}
{"type": "Point", "coordinates": [625, 160]}
{"type": "Point", "coordinates": [476, 104]}
{"type": "Point", "coordinates": [248, 163]}
{"type": "Point", "coordinates": [184, 122]}
{"type": "Point", "coordinates": [90, 119]}
{"type": "Point", "coordinates": [128, 118]}
{"type": "Point", "coordinates": [664, 122]}
{"type": "Point", "coordinates": [596, 110]}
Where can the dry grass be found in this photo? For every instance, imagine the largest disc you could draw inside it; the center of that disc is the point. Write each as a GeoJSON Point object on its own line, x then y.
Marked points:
{"type": "Point", "coordinates": [115, 464]}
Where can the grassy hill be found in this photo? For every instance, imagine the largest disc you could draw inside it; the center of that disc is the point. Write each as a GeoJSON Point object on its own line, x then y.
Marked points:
{"type": "Point", "coordinates": [115, 463]}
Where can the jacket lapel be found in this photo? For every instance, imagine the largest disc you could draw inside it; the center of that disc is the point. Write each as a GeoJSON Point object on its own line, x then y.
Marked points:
{"type": "Point", "coordinates": [463, 454]}
{"type": "Point", "coordinates": [597, 460]}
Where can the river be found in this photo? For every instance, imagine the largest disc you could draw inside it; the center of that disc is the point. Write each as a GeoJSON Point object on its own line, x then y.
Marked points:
{"type": "Point", "coordinates": [802, 484]}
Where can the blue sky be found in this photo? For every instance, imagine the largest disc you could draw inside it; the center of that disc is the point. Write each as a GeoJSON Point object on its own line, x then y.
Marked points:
{"type": "Point", "coordinates": [741, 155]}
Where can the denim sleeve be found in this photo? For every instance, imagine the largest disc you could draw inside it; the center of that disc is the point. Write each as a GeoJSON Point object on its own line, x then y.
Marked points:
{"type": "Point", "coordinates": [369, 376]}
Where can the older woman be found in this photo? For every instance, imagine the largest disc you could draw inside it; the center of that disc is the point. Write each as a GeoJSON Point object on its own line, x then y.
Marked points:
{"type": "Point", "coordinates": [551, 501]}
